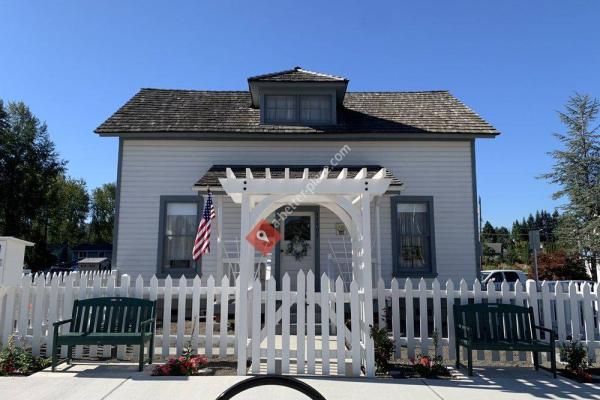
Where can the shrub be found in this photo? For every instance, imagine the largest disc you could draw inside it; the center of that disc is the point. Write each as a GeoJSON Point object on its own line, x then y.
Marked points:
{"type": "Point", "coordinates": [18, 361]}
{"type": "Point", "coordinates": [574, 354]}
{"type": "Point", "coordinates": [384, 348]}
{"type": "Point", "coordinates": [558, 265]}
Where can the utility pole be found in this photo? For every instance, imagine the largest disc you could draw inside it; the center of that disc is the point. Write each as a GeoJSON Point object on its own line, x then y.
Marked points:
{"type": "Point", "coordinates": [534, 245]}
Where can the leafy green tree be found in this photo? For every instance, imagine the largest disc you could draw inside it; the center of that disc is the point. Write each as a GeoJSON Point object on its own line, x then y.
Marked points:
{"type": "Point", "coordinates": [576, 170]}
{"type": "Point", "coordinates": [29, 166]}
{"type": "Point", "coordinates": [68, 211]}
{"type": "Point", "coordinates": [103, 214]}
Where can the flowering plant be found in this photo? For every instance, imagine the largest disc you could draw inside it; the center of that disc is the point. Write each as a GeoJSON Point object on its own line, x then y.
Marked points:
{"type": "Point", "coordinates": [184, 365]}
{"type": "Point", "coordinates": [16, 360]}
{"type": "Point", "coordinates": [427, 366]}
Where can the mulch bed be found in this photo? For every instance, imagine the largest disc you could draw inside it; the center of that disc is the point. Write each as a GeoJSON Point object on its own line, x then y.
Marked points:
{"type": "Point", "coordinates": [406, 371]}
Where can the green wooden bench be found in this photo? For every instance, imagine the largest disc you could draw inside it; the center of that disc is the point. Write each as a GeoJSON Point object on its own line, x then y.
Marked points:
{"type": "Point", "coordinates": [107, 321]}
{"type": "Point", "coordinates": [500, 327]}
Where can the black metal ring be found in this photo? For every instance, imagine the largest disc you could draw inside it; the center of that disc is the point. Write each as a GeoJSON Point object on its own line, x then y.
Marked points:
{"type": "Point", "coordinates": [276, 380]}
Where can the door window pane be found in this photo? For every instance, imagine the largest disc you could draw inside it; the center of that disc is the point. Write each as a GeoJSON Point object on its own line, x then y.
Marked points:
{"type": "Point", "coordinates": [414, 240]}
{"type": "Point", "coordinates": [297, 226]}
{"type": "Point", "coordinates": [180, 233]}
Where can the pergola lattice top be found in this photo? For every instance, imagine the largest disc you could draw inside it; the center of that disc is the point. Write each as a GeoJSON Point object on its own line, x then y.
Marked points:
{"type": "Point", "coordinates": [264, 180]}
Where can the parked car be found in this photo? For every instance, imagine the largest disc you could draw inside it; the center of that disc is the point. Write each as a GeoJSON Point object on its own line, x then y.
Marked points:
{"type": "Point", "coordinates": [499, 276]}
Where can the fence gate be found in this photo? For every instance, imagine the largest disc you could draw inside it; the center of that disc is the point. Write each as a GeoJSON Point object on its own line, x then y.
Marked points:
{"type": "Point", "coordinates": [306, 332]}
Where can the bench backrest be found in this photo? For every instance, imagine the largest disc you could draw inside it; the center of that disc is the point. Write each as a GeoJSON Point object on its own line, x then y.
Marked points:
{"type": "Point", "coordinates": [493, 322]}
{"type": "Point", "coordinates": [111, 314]}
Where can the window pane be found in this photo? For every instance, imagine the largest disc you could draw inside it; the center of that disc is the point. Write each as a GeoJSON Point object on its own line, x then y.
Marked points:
{"type": "Point", "coordinates": [413, 236]}
{"type": "Point", "coordinates": [315, 109]}
{"type": "Point", "coordinates": [180, 232]}
{"type": "Point", "coordinates": [280, 109]}
{"type": "Point", "coordinates": [297, 226]}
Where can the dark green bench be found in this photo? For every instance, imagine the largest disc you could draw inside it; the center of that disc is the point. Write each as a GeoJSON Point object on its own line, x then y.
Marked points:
{"type": "Point", "coordinates": [500, 327]}
{"type": "Point", "coordinates": [107, 321]}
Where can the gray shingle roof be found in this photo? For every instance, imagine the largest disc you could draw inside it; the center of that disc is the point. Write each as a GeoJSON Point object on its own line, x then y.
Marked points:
{"type": "Point", "coordinates": [193, 111]}
{"type": "Point", "coordinates": [211, 177]}
{"type": "Point", "coordinates": [298, 74]}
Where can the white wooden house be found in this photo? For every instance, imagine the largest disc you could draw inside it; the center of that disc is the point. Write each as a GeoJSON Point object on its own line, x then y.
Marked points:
{"type": "Point", "coordinates": [371, 186]}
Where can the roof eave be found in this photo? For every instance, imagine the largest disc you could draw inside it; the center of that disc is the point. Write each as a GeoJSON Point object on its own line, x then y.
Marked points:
{"type": "Point", "coordinates": [358, 136]}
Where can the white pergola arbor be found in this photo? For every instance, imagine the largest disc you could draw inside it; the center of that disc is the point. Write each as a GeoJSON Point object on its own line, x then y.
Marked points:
{"type": "Point", "coordinates": [348, 198]}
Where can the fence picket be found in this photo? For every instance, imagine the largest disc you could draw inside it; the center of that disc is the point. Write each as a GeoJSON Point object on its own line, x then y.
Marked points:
{"type": "Point", "coordinates": [477, 299]}
{"type": "Point", "coordinates": [96, 292]}
{"type": "Point", "coordinates": [24, 314]}
{"type": "Point", "coordinates": [166, 325]}
{"type": "Point", "coordinates": [270, 321]}
{"type": "Point", "coordinates": [325, 324]}
{"type": "Point", "coordinates": [196, 283]}
{"type": "Point", "coordinates": [256, 325]}
{"type": "Point", "coordinates": [423, 331]}
{"type": "Point", "coordinates": [588, 318]}
{"type": "Point", "coordinates": [123, 292]}
{"type": "Point", "coordinates": [520, 299]}
{"type": "Point", "coordinates": [410, 319]}
{"type": "Point", "coordinates": [450, 318]}
{"type": "Point", "coordinates": [355, 329]}
{"type": "Point", "coordinates": [310, 322]}
{"type": "Point", "coordinates": [300, 321]}
{"type": "Point", "coordinates": [210, 313]}
{"type": "Point", "coordinates": [396, 317]}
{"type": "Point", "coordinates": [340, 332]}
{"type": "Point", "coordinates": [38, 316]}
{"type": "Point", "coordinates": [224, 316]}
{"type": "Point", "coordinates": [285, 325]}
{"type": "Point", "coordinates": [52, 311]}
{"type": "Point", "coordinates": [437, 313]}
{"type": "Point", "coordinates": [181, 294]}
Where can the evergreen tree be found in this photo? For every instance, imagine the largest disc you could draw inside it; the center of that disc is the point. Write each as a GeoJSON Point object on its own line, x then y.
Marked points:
{"type": "Point", "coordinates": [488, 233]}
{"type": "Point", "coordinates": [576, 170]}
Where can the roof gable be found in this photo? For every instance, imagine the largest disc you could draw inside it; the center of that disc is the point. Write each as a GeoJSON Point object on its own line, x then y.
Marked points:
{"type": "Point", "coordinates": [297, 74]}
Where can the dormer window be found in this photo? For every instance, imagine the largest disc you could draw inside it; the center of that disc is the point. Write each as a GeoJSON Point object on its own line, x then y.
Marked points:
{"type": "Point", "coordinates": [281, 109]}
{"type": "Point", "coordinates": [315, 110]}
{"type": "Point", "coordinates": [297, 97]}
{"type": "Point", "coordinates": [298, 109]}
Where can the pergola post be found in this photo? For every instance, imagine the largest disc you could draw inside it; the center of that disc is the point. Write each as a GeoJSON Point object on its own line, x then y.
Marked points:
{"type": "Point", "coordinates": [367, 281]}
{"type": "Point", "coordinates": [246, 269]}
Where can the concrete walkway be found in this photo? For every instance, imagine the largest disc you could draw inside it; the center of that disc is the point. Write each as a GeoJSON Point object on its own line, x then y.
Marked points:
{"type": "Point", "coordinates": [123, 382]}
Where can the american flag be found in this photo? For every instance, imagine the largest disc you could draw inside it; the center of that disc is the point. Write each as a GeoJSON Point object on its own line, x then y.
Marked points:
{"type": "Point", "coordinates": [202, 242]}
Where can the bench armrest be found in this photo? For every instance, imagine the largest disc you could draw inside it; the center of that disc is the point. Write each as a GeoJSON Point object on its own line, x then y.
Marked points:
{"type": "Point", "coordinates": [543, 329]}
{"type": "Point", "coordinates": [64, 321]}
{"type": "Point", "coordinates": [147, 322]}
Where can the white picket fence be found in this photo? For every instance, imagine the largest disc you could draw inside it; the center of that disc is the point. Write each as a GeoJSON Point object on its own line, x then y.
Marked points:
{"type": "Point", "coordinates": [295, 332]}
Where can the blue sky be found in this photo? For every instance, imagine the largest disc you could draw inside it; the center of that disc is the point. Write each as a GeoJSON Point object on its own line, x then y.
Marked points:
{"type": "Point", "coordinates": [514, 62]}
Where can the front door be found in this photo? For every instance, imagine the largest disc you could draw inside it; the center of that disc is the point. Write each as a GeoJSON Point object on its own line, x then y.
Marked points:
{"type": "Point", "coordinates": [297, 248]}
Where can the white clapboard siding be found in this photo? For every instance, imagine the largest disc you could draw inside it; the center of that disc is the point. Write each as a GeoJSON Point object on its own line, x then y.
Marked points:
{"type": "Point", "coordinates": [154, 168]}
